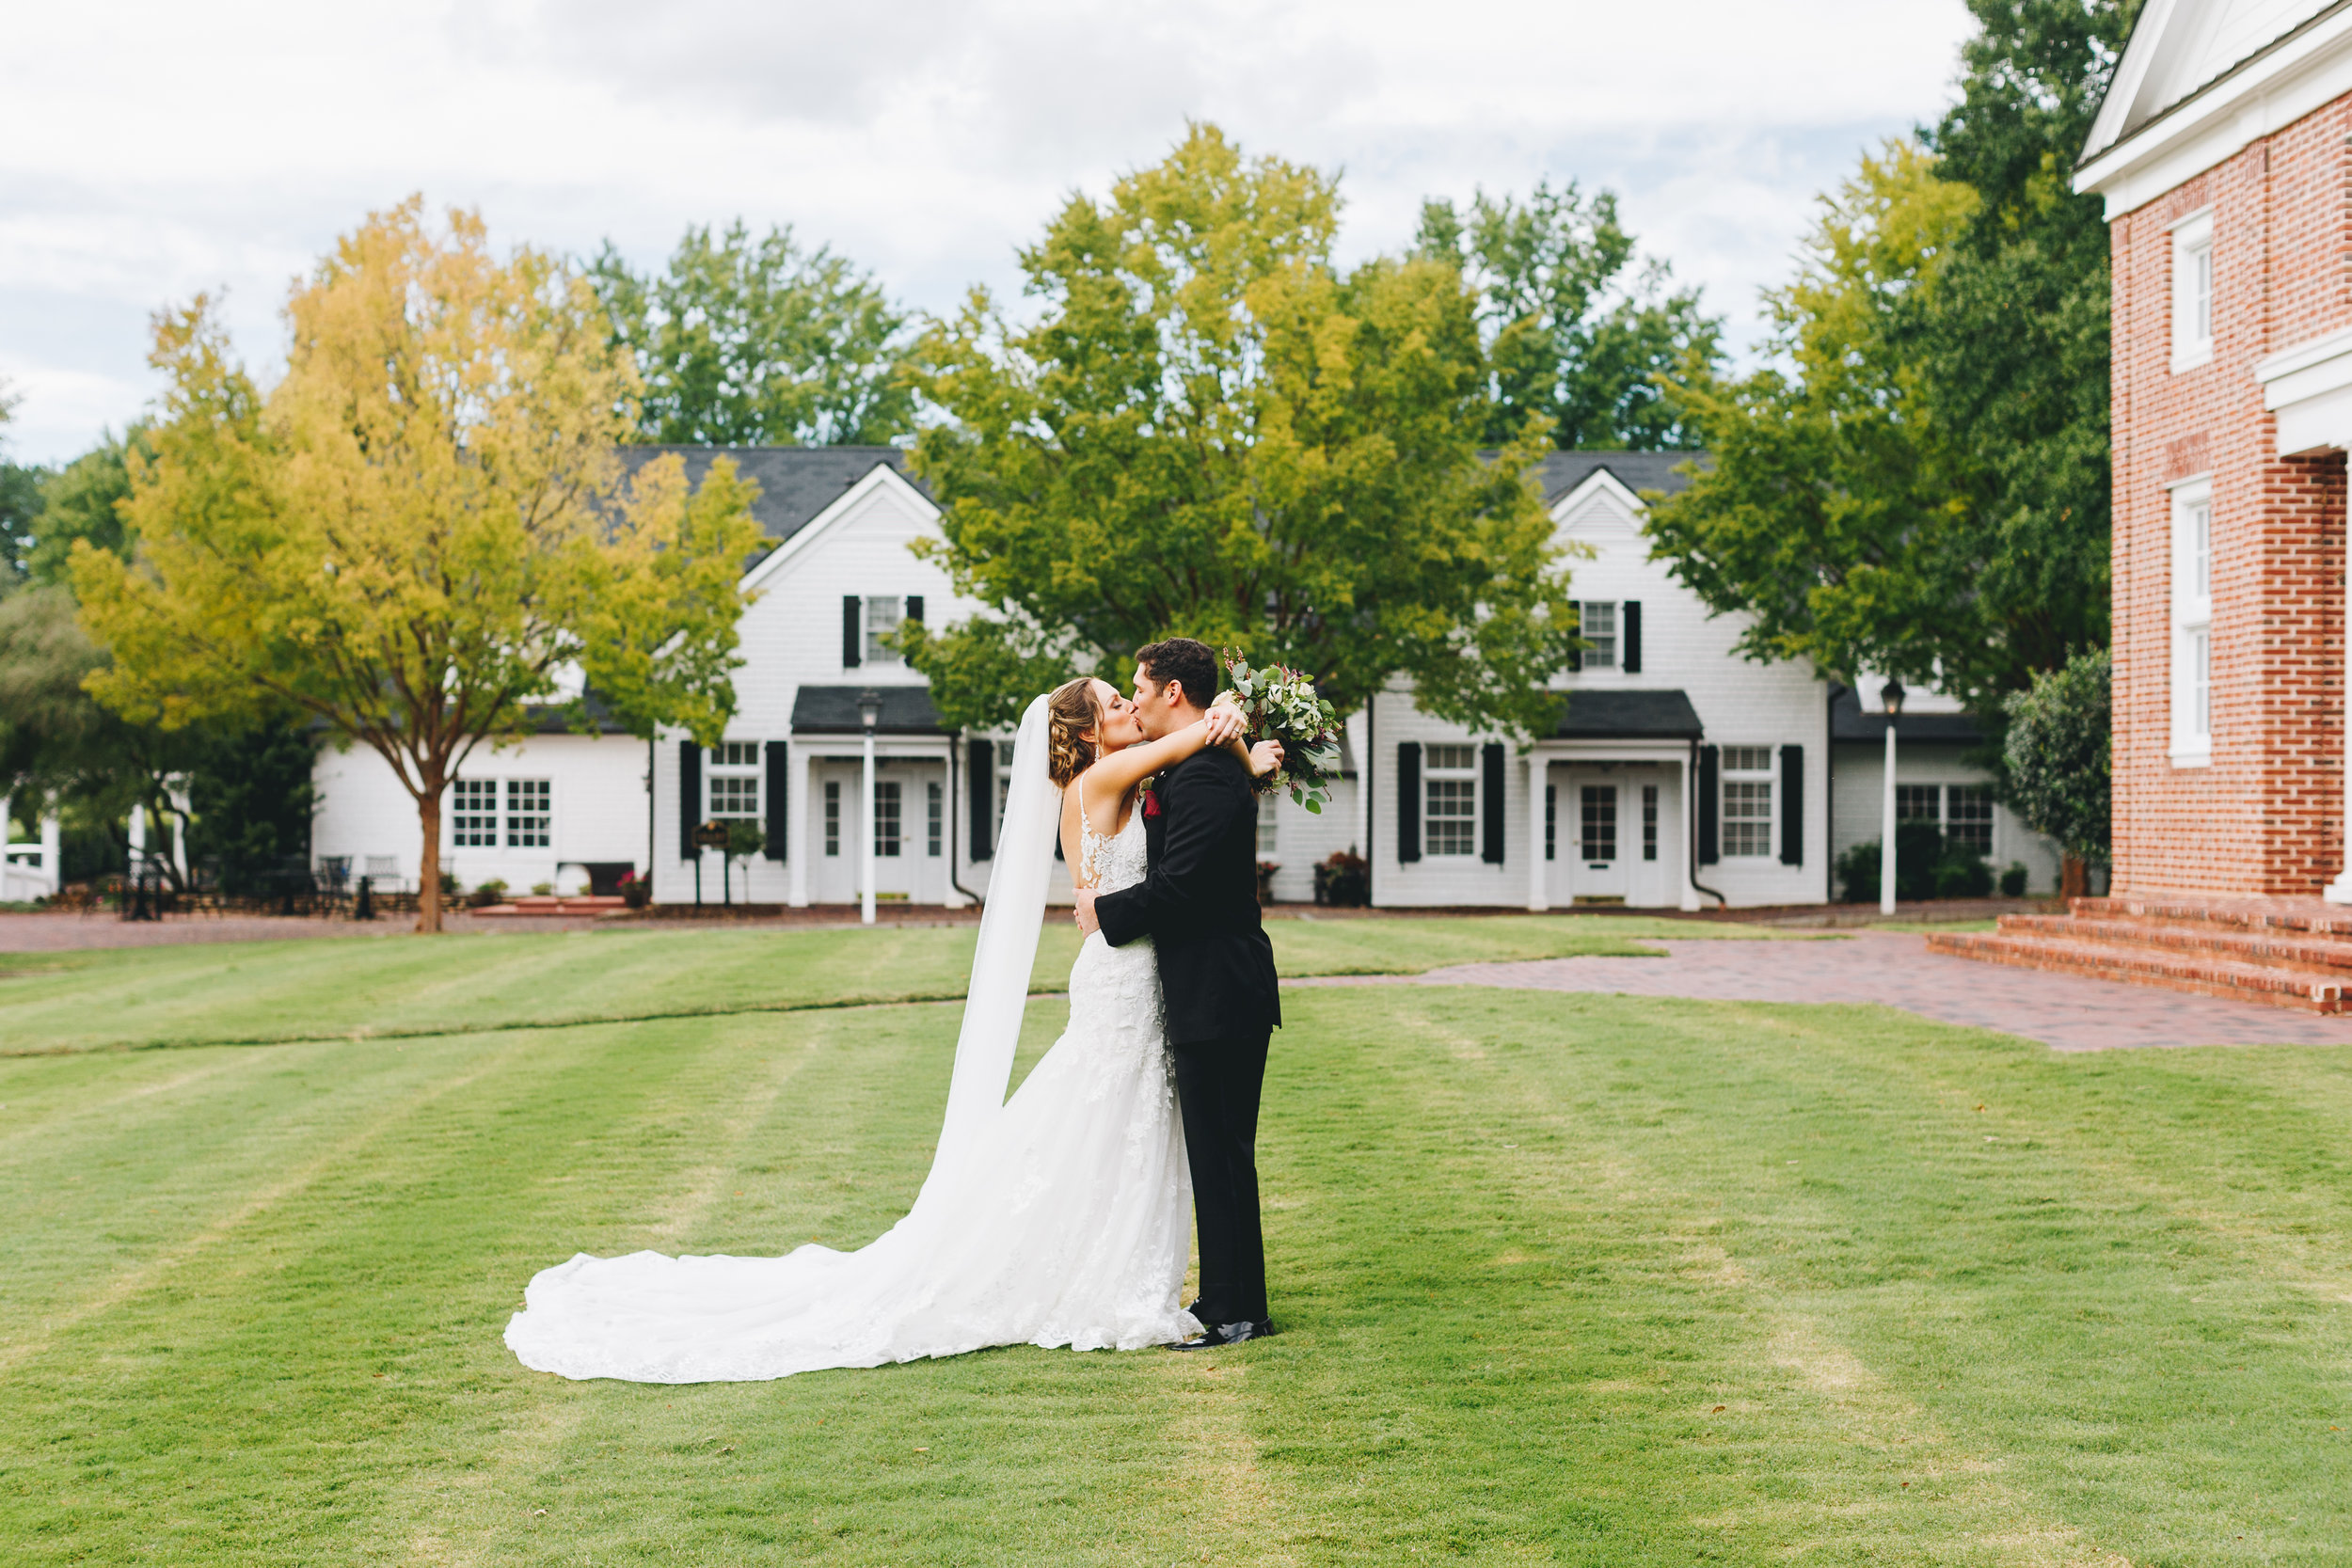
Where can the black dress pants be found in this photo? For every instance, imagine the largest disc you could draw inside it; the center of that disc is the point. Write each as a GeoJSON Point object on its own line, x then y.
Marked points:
{"type": "Point", "coordinates": [1218, 1084]}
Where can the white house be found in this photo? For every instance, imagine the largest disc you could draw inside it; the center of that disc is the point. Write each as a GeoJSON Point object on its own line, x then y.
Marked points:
{"type": "Point", "coordinates": [1680, 774]}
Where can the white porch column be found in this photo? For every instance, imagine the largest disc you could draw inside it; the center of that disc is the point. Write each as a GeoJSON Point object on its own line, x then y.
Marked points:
{"type": "Point", "coordinates": [1687, 893]}
{"type": "Point", "coordinates": [139, 837]}
{"type": "Point", "coordinates": [8, 820]}
{"type": "Point", "coordinates": [179, 827]}
{"type": "Point", "coordinates": [796, 841]}
{"type": "Point", "coordinates": [1538, 869]}
{"type": "Point", "coordinates": [52, 851]}
{"type": "Point", "coordinates": [1887, 828]}
{"type": "Point", "coordinates": [866, 838]}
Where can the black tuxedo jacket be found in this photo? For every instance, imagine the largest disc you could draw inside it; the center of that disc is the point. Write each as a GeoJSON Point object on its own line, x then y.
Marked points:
{"type": "Point", "coordinates": [1199, 903]}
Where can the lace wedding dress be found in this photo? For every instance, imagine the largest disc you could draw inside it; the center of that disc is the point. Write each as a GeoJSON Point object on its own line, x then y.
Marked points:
{"type": "Point", "coordinates": [1062, 1217]}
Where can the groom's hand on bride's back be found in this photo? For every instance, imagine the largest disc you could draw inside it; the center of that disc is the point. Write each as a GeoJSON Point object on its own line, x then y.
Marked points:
{"type": "Point", "coordinates": [1087, 922]}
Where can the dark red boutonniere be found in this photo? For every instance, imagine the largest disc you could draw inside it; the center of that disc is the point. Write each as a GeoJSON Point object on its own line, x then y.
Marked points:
{"type": "Point", "coordinates": [1151, 801]}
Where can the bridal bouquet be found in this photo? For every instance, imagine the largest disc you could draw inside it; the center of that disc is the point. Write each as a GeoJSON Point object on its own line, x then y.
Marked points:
{"type": "Point", "coordinates": [1282, 704]}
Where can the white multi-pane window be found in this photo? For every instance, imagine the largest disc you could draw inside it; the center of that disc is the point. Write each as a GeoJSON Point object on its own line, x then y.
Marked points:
{"type": "Point", "coordinates": [2192, 291]}
{"type": "Point", "coordinates": [1747, 786]}
{"type": "Point", "coordinates": [1598, 625]}
{"type": "Point", "coordinates": [530, 813]}
{"type": "Point", "coordinates": [1269, 829]}
{"type": "Point", "coordinates": [887, 818]}
{"type": "Point", "coordinates": [1449, 788]}
{"type": "Point", "coordinates": [1005, 749]}
{"type": "Point", "coordinates": [935, 820]}
{"type": "Point", "coordinates": [474, 814]}
{"type": "Point", "coordinates": [1968, 816]}
{"type": "Point", "coordinates": [1963, 813]}
{"type": "Point", "coordinates": [833, 816]}
{"type": "Point", "coordinates": [884, 613]}
{"type": "Point", "coordinates": [733, 779]}
{"type": "Point", "coordinates": [2192, 623]}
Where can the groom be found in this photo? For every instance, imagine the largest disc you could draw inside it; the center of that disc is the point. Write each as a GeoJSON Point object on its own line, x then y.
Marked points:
{"type": "Point", "coordinates": [1199, 906]}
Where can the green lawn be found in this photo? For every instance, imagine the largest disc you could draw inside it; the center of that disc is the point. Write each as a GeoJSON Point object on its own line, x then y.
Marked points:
{"type": "Point", "coordinates": [257, 992]}
{"type": "Point", "coordinates": [1561, 1278]}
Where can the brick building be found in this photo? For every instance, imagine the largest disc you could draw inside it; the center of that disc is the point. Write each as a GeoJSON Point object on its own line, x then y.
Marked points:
{"type": "Point", "coordinates": [2224, 154]}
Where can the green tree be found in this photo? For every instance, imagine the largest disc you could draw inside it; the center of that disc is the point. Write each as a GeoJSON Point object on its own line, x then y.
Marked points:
{"type": "Point", "coordinates": [743, 341]}
{"type": "Point", "coordinates": [19, 504]}
{"type": "Point", "coordinates": [420, 529]}
{"type": "Point", "coordinates": [1833, 515]}
{"type": "Point", "coordinates": [1919, 484]}
{"type": "Point", "coordinates": [1208, 429]}
{"type": "Point", "coordinates": [1577, 332]}
{"type": "Point", "coordinates": [2058, 751]}
{"type": "Point", "coordinates": [82, 500]}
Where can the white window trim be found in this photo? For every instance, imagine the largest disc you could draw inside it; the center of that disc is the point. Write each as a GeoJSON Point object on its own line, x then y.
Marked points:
{"type": "Point", "coordinates": [2192, 238]}
{"type": "Point", "coordinates": [1616, 636]}
{"type": "Point", "coordinates": [714, 770]}
{"type": "Point", "coordinates": [1431, 773]}
{"type": "Point", "coordinates": [1769, 774]}
{"type": "Point", "coordinates": [2192, 617]}
{"type": "Point", "coordinates": [878, 658]}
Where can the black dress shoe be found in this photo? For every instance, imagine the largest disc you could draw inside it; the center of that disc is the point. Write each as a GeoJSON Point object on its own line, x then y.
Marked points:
{"type": "Point", "coordinates": [1214, 1334]}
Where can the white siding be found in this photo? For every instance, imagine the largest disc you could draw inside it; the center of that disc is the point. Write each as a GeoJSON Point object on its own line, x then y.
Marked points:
{"type": "Point", "coordinates": [596, 799]}
{"type": "Point", "coordinates": [1861, 806]}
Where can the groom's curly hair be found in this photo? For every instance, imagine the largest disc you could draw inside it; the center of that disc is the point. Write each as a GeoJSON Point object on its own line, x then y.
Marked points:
{"type": "Point", "coordinates": [1191, 664]}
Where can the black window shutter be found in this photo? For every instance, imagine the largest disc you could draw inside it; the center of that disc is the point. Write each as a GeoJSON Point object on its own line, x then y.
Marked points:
{"type": "Point", "coordinates": [852, 639]}
{"type": "Point", "coordinates": [1792, 805]}
{"type": "Point", "coordinates": [690, 796]}
{"type": "Point", "coordinates": [1576, 659]}
{"type": "Point", "coordinates": [1490, 786]}
{"type": "Point", "coordinates": [779, 799]}
{"type": "Point", "coordinates": [915, 607]}
{"type": "Point", "coordinates": [1711, 837]}
{"type": "Point", "coordinates": [1409, 801]}
{"type": "Point", "coordinates": [1630, 637]}
{"type": "Point", "coordinates": [984, 771]}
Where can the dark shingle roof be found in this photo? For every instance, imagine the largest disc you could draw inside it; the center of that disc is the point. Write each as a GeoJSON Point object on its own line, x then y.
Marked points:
{"type": "Point", "coordinates": [795, 483]}
{"type": "Point", "coordinates": [832, 710]}
{"type": "Point", "coordinates": [1850, 720]}
{"type": "Point", "coordinates": [1628, 716]}
{"type": "Point", "coordinates": [1563, 471]}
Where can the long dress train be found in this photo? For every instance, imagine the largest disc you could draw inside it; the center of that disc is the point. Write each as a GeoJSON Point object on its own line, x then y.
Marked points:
{"type": "Point", "coordinates": [1068, 1222]}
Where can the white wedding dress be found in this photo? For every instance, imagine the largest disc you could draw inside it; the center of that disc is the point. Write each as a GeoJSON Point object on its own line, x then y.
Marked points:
{"type": "Point", "coordinates": [1062, 1217]}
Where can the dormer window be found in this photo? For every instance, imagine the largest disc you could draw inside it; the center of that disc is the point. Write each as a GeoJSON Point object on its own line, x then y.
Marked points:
{"type": "Point", "coordinates": [867, 619]}
{"type": "Point", "coordinates": [2192, 291]}
{"type": "Point", "coordinates": [1600, 634]}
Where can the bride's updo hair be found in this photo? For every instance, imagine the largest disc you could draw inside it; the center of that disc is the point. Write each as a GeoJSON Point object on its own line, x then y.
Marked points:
{"type": "Point", "coordinates": [1070, 712]}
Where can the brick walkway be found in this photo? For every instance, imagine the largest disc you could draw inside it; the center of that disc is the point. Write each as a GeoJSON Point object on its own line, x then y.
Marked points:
{"type": "Point", "coordinates": [2064, 1011]}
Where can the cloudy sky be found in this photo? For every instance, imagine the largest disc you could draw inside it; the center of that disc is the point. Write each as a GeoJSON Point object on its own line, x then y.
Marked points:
{"type": "Point", "coordinates": [149, 149]}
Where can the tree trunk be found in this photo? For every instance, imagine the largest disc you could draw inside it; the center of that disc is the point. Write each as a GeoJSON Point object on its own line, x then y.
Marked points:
{"type": "Point", "coordinates": [2073, 876]}
{"type": "Point", "coordinates": [429, 876]}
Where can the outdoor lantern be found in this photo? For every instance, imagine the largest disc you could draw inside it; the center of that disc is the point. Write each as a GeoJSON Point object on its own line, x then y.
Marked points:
{"type": "Point", "coordinates": [1891, 694]}
{"type": "Point", "coordinates": [870, 708]}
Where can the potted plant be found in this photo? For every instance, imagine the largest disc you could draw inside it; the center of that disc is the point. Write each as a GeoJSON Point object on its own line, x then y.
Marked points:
{"type": "Point", "coordinates": [1265, 880]}
{"type": "Point", "coordinates": [489, 893]}
{"type": "Point", "coordinates": [1343, 880]}
{"type": "Point", "coordinates": [636, 892]}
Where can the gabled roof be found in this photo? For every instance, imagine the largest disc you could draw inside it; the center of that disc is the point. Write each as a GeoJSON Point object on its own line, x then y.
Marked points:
{"type": "Point", "coordinates": [2180, 48]}
{"type": "Point", "coordinates": [796, 484]}
{"type": "Point", "coordinates": [1561, 472]}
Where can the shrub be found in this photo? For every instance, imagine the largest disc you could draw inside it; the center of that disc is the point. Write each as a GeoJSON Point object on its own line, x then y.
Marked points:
{"type": "Point", "coordinates": [489, 893]}
{"type": "Point", "coordinates": [2013, 880]}
{"type": "Point", "coordinates": [540, 889]}
{"type": "Point", "coordinates": [2057, 756]}
{"type": "Point", "coordinates": [1927, 866]}
{"type": "Point", "coordinates": [1343, 880]}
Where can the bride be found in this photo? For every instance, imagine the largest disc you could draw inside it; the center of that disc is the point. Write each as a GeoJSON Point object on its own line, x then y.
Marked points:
{"type": "Point", "coordinates": [1061, 1217]}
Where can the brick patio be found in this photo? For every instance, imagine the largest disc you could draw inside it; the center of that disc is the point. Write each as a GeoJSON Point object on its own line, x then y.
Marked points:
{"type": "Point", "coordinates": [2067, 1013]}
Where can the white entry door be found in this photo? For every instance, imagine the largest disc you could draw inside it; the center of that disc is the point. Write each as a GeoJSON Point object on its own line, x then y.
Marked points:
{"type": "Point", "coordinates": [1593, 835]}
{"type": "Point", "coordinates": [909, 863]}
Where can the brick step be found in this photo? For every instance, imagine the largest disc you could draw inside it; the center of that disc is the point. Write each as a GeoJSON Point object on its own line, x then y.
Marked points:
{"type": "Point", "coordinates": [2242, 945]}
{"type": "Point", "coordinates": [2312, 916]}
{"type": "Point", "coordinates": [2310, 990]}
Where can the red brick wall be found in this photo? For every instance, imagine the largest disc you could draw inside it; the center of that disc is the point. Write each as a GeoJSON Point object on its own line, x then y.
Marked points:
{"type": "Point", "coordinates": [2267, 815]}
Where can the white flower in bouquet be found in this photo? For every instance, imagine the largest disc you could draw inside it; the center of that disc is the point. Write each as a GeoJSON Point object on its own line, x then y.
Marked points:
{"type": "Point", "coordinates": [1282, 704]}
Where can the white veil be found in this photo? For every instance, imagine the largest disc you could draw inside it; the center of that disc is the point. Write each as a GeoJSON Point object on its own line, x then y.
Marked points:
{"type": "Point", "coordinates": [1010, 925]}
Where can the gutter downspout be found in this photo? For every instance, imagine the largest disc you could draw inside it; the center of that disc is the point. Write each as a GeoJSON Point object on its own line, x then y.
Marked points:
{"type": "Point", "coordinates": [1690, 813]}
{"type": "Point", "coordinates": [956, 743]}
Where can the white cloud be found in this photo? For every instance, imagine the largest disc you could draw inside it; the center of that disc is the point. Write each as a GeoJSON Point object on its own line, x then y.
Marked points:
{"type": "Point", "coordinates": [162, 148]}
